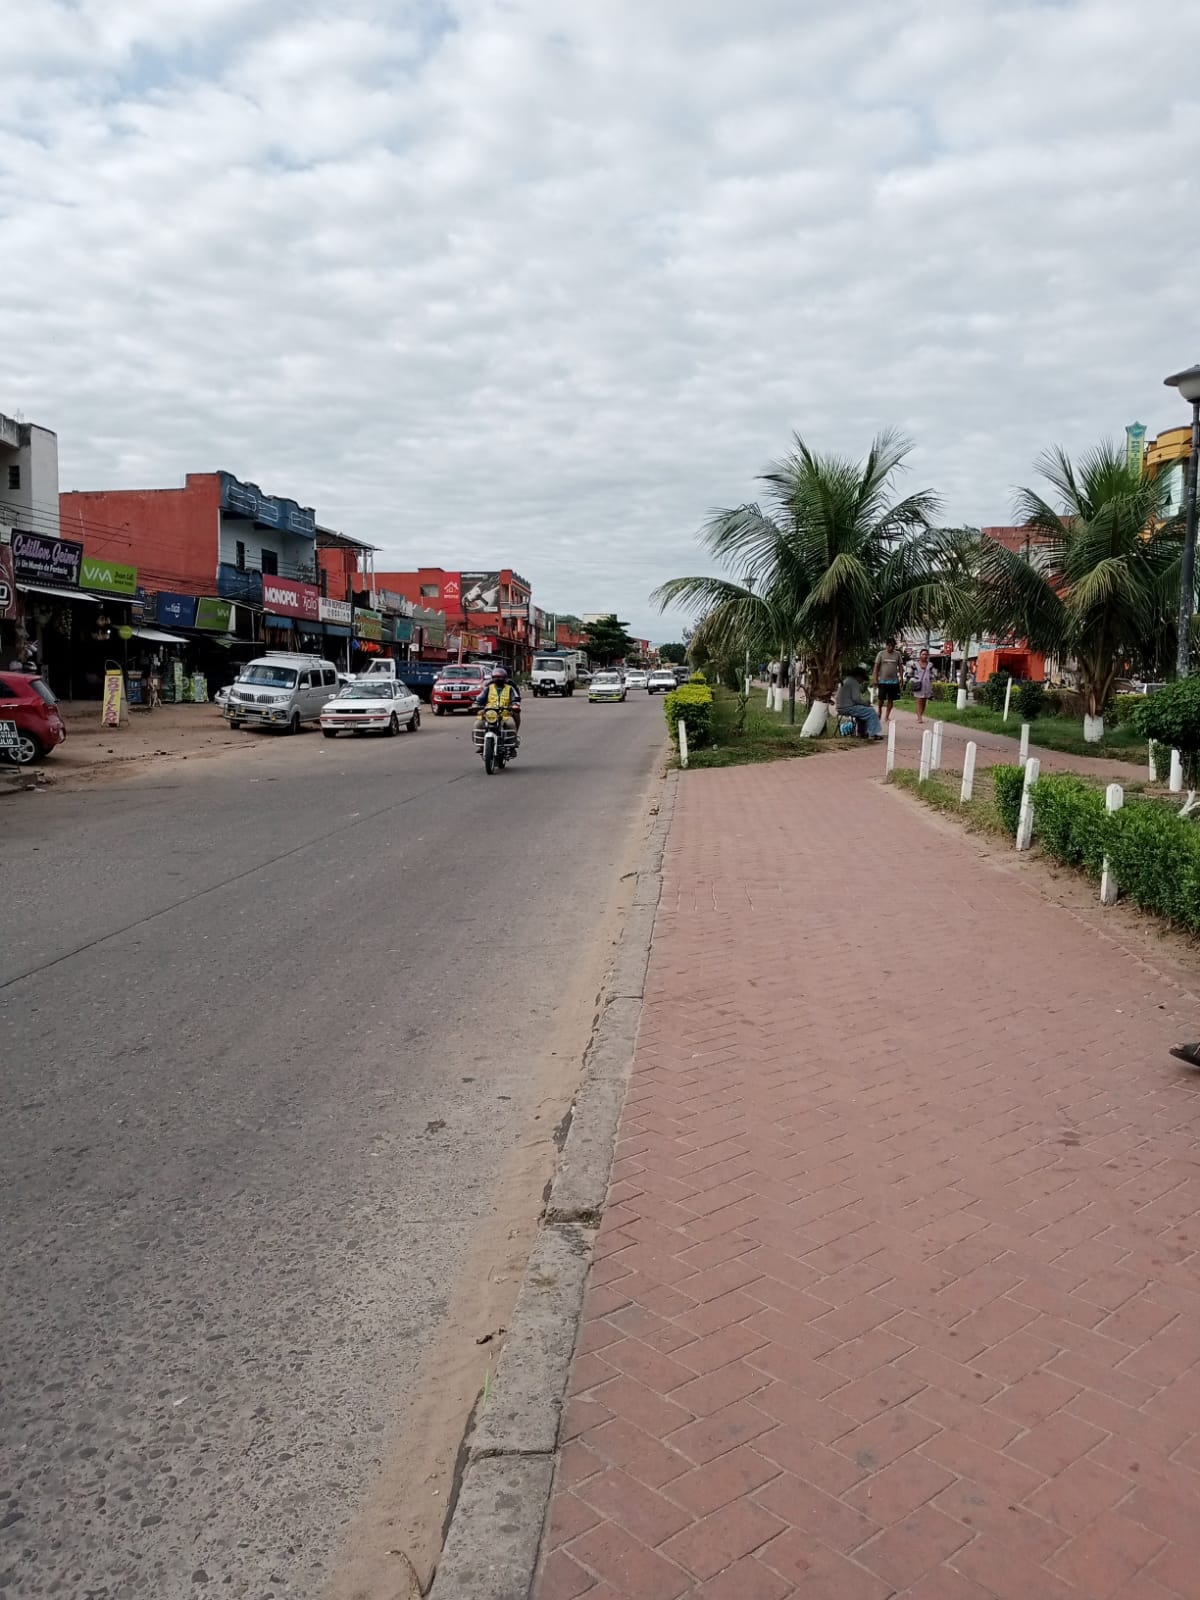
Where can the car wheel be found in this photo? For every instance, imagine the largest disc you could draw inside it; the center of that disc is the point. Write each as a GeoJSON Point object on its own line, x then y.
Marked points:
{"type": "Point", "coordinates": [329, 733]}
{"type": "Point", "coordinates": [438, 710]}
{"type": "Point", "coordinates": [393, 726]}
{"type": "Point", "coordinates": [26, 751]}
{"type": "Point", "coordinates": [293, 726]}
{"type": "Point", "coordinates": [234, 724]}
{"type": "Point", "coordinates": [414, 722]}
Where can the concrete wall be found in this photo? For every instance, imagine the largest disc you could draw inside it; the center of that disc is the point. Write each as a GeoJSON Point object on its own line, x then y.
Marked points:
{"type": "Point", "coordinates": [296, 555]}
{"type": "Point", "coordinates": [34, 504]}
{"type": "Point", "coordinates": [169, 535]}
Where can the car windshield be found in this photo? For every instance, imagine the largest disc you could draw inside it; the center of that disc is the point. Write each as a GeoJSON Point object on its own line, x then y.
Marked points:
{"type": "Point", "coordinates": [469, 673]}
{"type": "Point", "coordinates": [275, 677]}
{"type": "Point", "coordinates": [367, 691]}
{"type": "Point", "coordinates": [606, 677]}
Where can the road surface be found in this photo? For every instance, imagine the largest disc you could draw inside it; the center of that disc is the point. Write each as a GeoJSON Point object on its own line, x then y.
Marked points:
{"type": "Point", "coordinates": [286, 1035]}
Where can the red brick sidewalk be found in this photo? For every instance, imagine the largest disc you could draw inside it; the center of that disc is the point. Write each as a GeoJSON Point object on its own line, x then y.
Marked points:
{"type": "Point", "coordinates": [897, 1292]}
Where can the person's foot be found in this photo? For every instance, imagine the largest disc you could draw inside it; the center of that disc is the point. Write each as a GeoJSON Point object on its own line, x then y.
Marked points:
{"type": "Point", "coordinates": [1189, 1054]}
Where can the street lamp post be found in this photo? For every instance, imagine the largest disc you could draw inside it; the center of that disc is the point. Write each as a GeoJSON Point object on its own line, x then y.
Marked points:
{"type": "Point", "coordinates": [1188, 384]}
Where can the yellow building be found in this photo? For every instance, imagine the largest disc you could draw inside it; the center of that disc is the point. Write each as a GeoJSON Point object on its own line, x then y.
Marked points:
{"type": "Point", "coordinates": [1168, 453]}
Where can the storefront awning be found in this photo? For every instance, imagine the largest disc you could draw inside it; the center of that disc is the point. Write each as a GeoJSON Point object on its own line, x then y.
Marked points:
{"type": "Point", "coordinates": [278, 622]}
{"type": "Point", "coordinates": [59, 594]}
{"type": "Point", "coordinates": [157, 636]}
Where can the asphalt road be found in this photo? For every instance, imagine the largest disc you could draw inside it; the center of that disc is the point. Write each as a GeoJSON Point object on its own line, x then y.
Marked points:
{"type": "Point", "coordinates": [273, 1027]}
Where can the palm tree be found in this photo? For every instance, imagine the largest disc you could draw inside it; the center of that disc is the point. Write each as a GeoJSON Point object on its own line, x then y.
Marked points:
{"type": "Point", "coordinates": [818, 569]}
{"type": "Point", "coordinates": [1103, 584]}
{"type": "Point", "coordinates": [938, 582]}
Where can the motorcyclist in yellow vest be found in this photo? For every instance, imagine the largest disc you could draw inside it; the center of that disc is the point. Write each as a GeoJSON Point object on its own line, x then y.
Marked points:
{"type": "Point", "coordinates": [501, 695]}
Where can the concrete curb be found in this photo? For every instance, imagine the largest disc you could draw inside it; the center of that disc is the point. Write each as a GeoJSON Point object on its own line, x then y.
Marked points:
{"type": "Point", "coordinates": [495, 1530]}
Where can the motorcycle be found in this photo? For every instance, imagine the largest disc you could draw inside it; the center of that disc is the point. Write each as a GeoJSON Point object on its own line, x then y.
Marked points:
{"type": "Point", "coordinates": [495, 741]}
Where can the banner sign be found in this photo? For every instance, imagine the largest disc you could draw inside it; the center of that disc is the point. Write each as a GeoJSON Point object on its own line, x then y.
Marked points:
{"type": "Point", "coordinates": [176, 609]}
{"type": "Point", "coordinates": [114, 684]}
{"type": "Point", "coordinates": [214, 615]}
{"type": "Point", "coordinates": [391, 601]}
{"type": "Point", "coordinates": [272, 511]}
{"type": "Point", "coordinates": [285, 598]}
{"type": "Point", "coordinates": [52, 561]}
{"type": "Point", "coordinates": [234, 583]}
{"type": "Point", "coordinates": [334, 611]}
{"type": "Point", "coordinates": [480, 591]}
{"type": "Point", "coordinates": [432, 624]}
{"type": "Point", "coordinates": [109, 577]}
{"type": "Point", "coordinates": [8, 585]}
{"type": "Point", "coordinates": [402, 629]}
{"type": "Point", "coordinates": [367, 624]}
{"type": "Point", "coordinates": [452, 590]}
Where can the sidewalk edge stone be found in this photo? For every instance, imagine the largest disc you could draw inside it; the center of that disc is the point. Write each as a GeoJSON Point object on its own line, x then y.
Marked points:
{"type": "Point", "coordinates": [495, 1531]}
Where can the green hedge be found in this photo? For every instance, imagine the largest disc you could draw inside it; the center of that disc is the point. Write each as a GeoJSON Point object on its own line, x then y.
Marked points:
{"type": "Point", "coordinates": [693, 702]}
{"type": "Point", "coordinates": [1071, 820]}
{"type": "Point", "coordinates": [1007, 784]}
{"type": "Point", "coordinates": [1154, 853]}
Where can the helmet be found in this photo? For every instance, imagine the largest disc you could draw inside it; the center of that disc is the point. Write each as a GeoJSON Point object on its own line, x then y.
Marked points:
{"type": "Point", "coordinates": [499, 674]}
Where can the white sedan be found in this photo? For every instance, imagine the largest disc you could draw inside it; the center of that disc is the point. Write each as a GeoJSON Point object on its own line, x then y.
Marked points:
{"type": "Point", "coordinates": [382, 705]}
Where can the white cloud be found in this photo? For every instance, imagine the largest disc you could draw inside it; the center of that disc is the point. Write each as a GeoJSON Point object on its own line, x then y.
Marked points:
{"type": "Point", "coordinates": [512, 281]}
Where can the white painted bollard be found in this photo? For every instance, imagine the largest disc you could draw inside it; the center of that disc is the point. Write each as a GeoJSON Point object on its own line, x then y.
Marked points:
{"type": "Point", "coordinates": [1175, 785]}
{"type": "Point", "coordinates": [1025, 821]}
{"type": "Point", "coordinates": [682, 743]}
{"type": "Point", "coordinates": [926, 754]}
{"type": "Point", "coordinates": [1114, 799]}
{"type": "Point", "coordinates": [1151, 763]}
{"type": "Point", "coordinates": [968, 783]}
{"type": "Point", "coordinates": [1007, 699]}
{"type": "Point", "coordinates": [935, 753]}
{"type": "Point", "coordinates": [891, 747]}
{"type": "Point", "coordinates": [1024, 756]}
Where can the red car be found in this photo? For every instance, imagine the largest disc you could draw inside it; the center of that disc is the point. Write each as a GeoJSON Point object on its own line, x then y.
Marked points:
{"type": "Point", "coordinates": [31, 704]}
{"type": "Point", "coordinates": [456, 687]}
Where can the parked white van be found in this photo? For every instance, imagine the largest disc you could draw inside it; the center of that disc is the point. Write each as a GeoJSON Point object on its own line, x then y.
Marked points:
{"type": "Point", "coordinates": [281, 690]}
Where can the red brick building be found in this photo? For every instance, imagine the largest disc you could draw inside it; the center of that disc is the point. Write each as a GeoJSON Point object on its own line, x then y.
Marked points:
{"type": "Point", "coordinates": [491, 611]}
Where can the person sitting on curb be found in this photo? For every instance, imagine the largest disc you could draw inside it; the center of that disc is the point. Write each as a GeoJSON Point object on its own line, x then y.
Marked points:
{"type": "Point", "coordinates": [851, 702]}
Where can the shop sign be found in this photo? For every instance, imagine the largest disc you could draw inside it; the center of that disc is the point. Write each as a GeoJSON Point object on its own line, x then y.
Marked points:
{"type": "Point", "coordinates": [367, 624]}
{"type": "Point", "coordinates": [391, 601]}
{"type": "Point", "coordinates": [334, 611]}
{"type": "Point", "coordinates": [452, 589]}
{"type": "Point", "coordinates": [39, 560]}
{"type": "Point", "coordinates": [272, 511]}
{"type": "Point", "coordinates": [8, 587]}
{"type": "Point", "coordinates": [215, 615]}
{"type": "Point", "coordinates": [480, 591]}
{"type": "Point", "coordinates": [233, 583]}
{"type": "Point", "coordinates": [178, 610]}
{"type": "Point", "coordinates": [114, 685]}
{"type": "Point", "coordinates": [402, 630]}
{"type": "Point", "coordinates": [288, 599]}
{"type": "Point", "coordinates": [109, 577]}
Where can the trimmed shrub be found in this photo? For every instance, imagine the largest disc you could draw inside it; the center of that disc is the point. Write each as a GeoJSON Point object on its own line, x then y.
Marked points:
{"type": "Point", "coordinates": [698, 677]}
{"type": "Point", "coordinates": [693, 703]}
{"type": "Point", "coordinates": [1155, 855]}
{"type": "Point", "coordinates": [1030, 701]}
{"type": "Point", "coordinates": [1007, 784]}
{"type": "Point", "coordinates": [1123, 706]}
{"type": "Point", "coordinates": [1071, 821]}
{"type": "Point", "coordinates": [1171, 717]}
{"type": "Point", "coordinates": [991, 694]}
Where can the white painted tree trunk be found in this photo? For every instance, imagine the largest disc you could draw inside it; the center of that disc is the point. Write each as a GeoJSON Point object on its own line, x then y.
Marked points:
{"type": "Point", "coordinates": [1175, 781]}
{"type": "Point", "coordinates": [814, 722]}
{"type": "Point", "coordinates": [1093, 729]}
{"type": "Point", "coordinates": [960, 700]}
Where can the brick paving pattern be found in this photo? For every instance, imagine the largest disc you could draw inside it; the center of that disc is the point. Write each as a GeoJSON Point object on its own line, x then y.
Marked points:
{"type": "Point", "coordinates": [897, 1291]}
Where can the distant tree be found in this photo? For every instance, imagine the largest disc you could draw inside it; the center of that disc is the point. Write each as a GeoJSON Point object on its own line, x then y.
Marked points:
{"type": "Point", "coordinates": [674, 654]}
{"type": "Point", "coordinates": [608, 640]}
{"type": "Point", "coordinates": [568, 620]}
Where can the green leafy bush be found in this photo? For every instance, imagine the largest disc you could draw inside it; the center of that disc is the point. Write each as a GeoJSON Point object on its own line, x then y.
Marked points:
{"type": "Point", "coordinates": [1071, 820]}
{"type": "Point", "coordinates": [1155, 856]}
{"type": "Point", "coordinates": [698, 677]}
{"type": "Point", "coordinates": [991, 694]}
{"type": "Point", "coordinates": [1171, 717]}
{"type": "Point", "coordinates": [1007, 784]}
{"type": "Point", "coordinates": [693, 704]}
{"type": "Point", "coordinates": [1030, 701]}
{"type": "Point", "coordinates": [1123, 706]}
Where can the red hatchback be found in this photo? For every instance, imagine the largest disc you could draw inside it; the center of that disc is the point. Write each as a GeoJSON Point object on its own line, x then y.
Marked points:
{"type": "Point", "coordinates": [30, 704]}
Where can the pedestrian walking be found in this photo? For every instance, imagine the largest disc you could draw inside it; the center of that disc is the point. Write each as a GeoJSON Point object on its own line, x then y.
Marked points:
{"type": "Point", "coordinates": [889, 665]}
{"type": "Point", "coordinates": [923, 685]}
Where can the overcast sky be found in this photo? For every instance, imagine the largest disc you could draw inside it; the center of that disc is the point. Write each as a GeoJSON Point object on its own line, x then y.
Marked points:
{"type": "Point", "coordinates": [539, 282]}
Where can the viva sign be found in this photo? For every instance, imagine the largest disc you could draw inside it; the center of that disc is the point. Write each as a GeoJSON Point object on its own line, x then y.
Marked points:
{"type": "Point", "coordinates": [288, 599]}
{"type": "Point", "coordinates": [107, 577]}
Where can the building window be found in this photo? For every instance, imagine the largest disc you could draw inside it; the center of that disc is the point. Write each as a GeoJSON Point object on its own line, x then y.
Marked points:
{"type": "Point", "coordinates": [270, 564]}
{"type": "Point", "coordinates": [430, 591]}
{"type": "Point", "coordinates": [14, 477]}
{"type": "Point", "coordinates": [239, 555]}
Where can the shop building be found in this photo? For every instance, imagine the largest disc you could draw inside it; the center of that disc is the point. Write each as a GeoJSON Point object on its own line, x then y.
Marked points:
{"type": "Point", "coordinates": [487, 613]}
